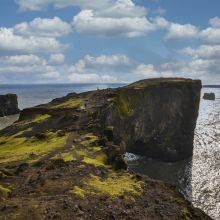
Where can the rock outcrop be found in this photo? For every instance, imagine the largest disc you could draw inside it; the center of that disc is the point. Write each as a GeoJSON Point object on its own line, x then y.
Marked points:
{"type": "Point", "coordinates": [8, 105]}
{"type": "Point", "coordinates": [209, 96]}
{"type": "Point", "coordinates": [155, 117]}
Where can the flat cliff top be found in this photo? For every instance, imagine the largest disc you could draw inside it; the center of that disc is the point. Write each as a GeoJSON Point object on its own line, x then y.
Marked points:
{"type": "Point", "coordinates": [55, 163]}
{"type": "Point", "coordinates": [163, 81]}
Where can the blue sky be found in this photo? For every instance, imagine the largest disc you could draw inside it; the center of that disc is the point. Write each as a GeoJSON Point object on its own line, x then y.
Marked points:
{"type": "Point", "coordinates": [108, 41]}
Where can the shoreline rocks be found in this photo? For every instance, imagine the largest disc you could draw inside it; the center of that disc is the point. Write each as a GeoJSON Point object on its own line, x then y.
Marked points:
{"type": "Point", "coordinates": [8, 105]}
{"type": "Point", "coordinates": [209, 96]}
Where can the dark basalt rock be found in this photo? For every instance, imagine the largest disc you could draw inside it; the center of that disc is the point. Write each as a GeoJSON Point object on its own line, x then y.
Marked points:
{"type": "Point", "coordinates": [155, 118]}
{"type": "Point", "coordinates": [209, 96]}
{"type": "Point", "coordinates": [8, 105]}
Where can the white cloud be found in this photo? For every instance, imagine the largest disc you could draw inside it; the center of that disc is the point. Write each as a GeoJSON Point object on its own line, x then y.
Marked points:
{"type": "Point", "coordinates": [54, 27]}
{"type": "Point", "coordinates": [86, 22]}
{"type": "Point", "coordinates": [101, 69]}
{"type": "Point", "coordinates": [112, 60]}
{"type": "Point", "coordinates": [210, 35]}
{"type": "Point", "coordinates": [91, 78]}
{"type": "Point", "coordinates": [146, 70]}
{"type": "Point", "coordinates": [58, 58]}
{"type": "Point", "coordinates": [179, 31]}
{"type": "Point", "coordinates": [9, 41]}
{"type": "Point", "coordinates": [38, 5]}
{"type": "Point", "coordinates": [22, 60]}
{"type": "Point", "coordinates": [122, 9]}
{"type": "Point", "coordinates": [215, 22]}
{"type": "Point", "coordinates": [204, 51]}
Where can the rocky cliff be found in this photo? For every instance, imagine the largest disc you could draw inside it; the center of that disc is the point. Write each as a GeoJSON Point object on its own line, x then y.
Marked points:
{"type": "Point", "coordinates": [156, 117]}
{"type": "Point", "coordinates": [8, 105]}
{"type": "Point", "coordinates": [63, 160]}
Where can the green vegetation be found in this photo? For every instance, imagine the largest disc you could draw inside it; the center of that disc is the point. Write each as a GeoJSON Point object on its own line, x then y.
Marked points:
{"type": "Point", "coordinates": [113, 186]}
{"type": "Point", "coordinates": [68, 156]}
{"type": "Point", "coordinates": [38, 118]}
{"type": "Point", "coordinates": [71, 103]}
{"type": "Point", "coordinates": [19, 149]}
{"type": "Point", "coordinates": [78, 191]}
{"type": "Point", "coordinates": [88, 139]}
{"type": "Point", "coordinates": [99, 160]}
{"type": "Point", "coordinates": [124, 106]}
{"type": "Point", "coordinates": [5, 192]}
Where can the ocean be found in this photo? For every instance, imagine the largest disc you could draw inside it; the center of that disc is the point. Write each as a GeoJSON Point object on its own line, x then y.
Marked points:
{"type": "Point", "coordinates": [32, 95]}
{"type": "Point", "coordinates": [197, 178]}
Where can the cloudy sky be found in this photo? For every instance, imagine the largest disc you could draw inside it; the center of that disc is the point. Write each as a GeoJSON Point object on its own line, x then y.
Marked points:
{"type": "Point", "coordinates": [108, 41]}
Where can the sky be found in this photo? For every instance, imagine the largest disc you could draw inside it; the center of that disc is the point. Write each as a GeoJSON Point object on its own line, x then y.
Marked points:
{"type": "Point", "coordinates": [108, 41]}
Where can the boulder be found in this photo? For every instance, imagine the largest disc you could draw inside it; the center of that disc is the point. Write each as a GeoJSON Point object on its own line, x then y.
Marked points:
{"type": "Point", "coordinates": [8, 105]}
{"type": "Point", "coordinates": [209, 96]}
{"type": "Point", "coordinates": [155, 118]}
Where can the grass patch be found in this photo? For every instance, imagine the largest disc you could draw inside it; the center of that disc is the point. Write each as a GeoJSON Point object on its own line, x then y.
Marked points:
{"type": "Point", "coordinates": [71, 103]}
{"type": "Point", "coordinates": [88, 139]}
{"type": "Point", "coordinates": [5, 192]}
{"type": "Point", "coordinates": [19, 149]}
{"type": "Point", "coordinates": [36, 119]}
{"type": "Point", "coordinates": [114, 186]}
{"type": "Point", "coordinates": [98, 161]}
{"type": "Point", "coordinates": [124, 106]}
{"type": "Point", "coordinates": [78, 191]}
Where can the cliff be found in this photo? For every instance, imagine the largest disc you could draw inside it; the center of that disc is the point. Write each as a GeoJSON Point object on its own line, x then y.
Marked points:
{"type": "Point", "coordinates": [156, 117]}
{"type": "Point", "coordinates": [64, 159]}
{"type": "Point", "coordinates": [8, 105]}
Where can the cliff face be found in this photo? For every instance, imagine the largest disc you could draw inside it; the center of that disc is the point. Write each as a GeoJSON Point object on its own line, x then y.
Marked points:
{"type": "Point", "coordinates": [8, 105]}
{"type": "Point", "coordinates": [155, 118]}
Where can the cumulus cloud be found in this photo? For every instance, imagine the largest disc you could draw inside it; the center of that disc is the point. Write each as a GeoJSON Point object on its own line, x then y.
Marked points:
{"type": "Point", "coordinates": [99, 69]}
{"type": "Point", "coordinates": [22, 60]}
{"type": "Point", "coordinates": [179, 31]}
{"type": "Point", "coordinates": [58, 58]}
{"type": "Point", "coordinates": [91, 78]}
{"type": "Point", "coordinates": [86, 22]}
{"type": "Point", "coordinates": [203, 51]}
{"type": "Point", "coordinates": [27, 68]}
{"type": "Point", "coordinates": [9, 41]}
{"type": "Point", "coordinates": [110, 69]}
{"type": "Point", "coordinates": [215, 22]}
{"type": "Point", "coordinates": [146, 70]}
{"type": "Point", "coordinates": [38, 5]}
{"type": "Point", "coordinates": [54, 27]}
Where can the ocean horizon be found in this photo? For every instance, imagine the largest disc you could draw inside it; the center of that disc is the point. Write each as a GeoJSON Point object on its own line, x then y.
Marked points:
{"type": "Point", "coordinates": [30, 95]}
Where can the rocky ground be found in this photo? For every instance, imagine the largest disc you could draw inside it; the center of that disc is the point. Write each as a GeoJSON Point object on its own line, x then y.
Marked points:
{"type": "Point", "coordinates": [56, 164]}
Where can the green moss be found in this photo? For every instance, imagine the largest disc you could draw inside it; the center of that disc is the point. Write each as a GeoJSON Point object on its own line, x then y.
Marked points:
{"type": "Point", "coordinates": [99, 160]}
{"type": "Point", "coordinates": [19, 149]}
{"type": "Point", "coordinates": [88, 139]}
{"type": "Point", "coordinates": [71, 103]}
{"type": "Point", "coordinates": [124, 106]}
{"type": "Point", "coordinates": [38, 118]}
{"type": "Point", "coordinates": [186, 214]}
{"type": "Point", "coordinates": [78, 191]}
{"type": "Point", "coordinates": [5, 192]}
{"type": "Point", "coordinates": [114, 185]}
{"type": "Point", "coordinates": [68, 156]}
